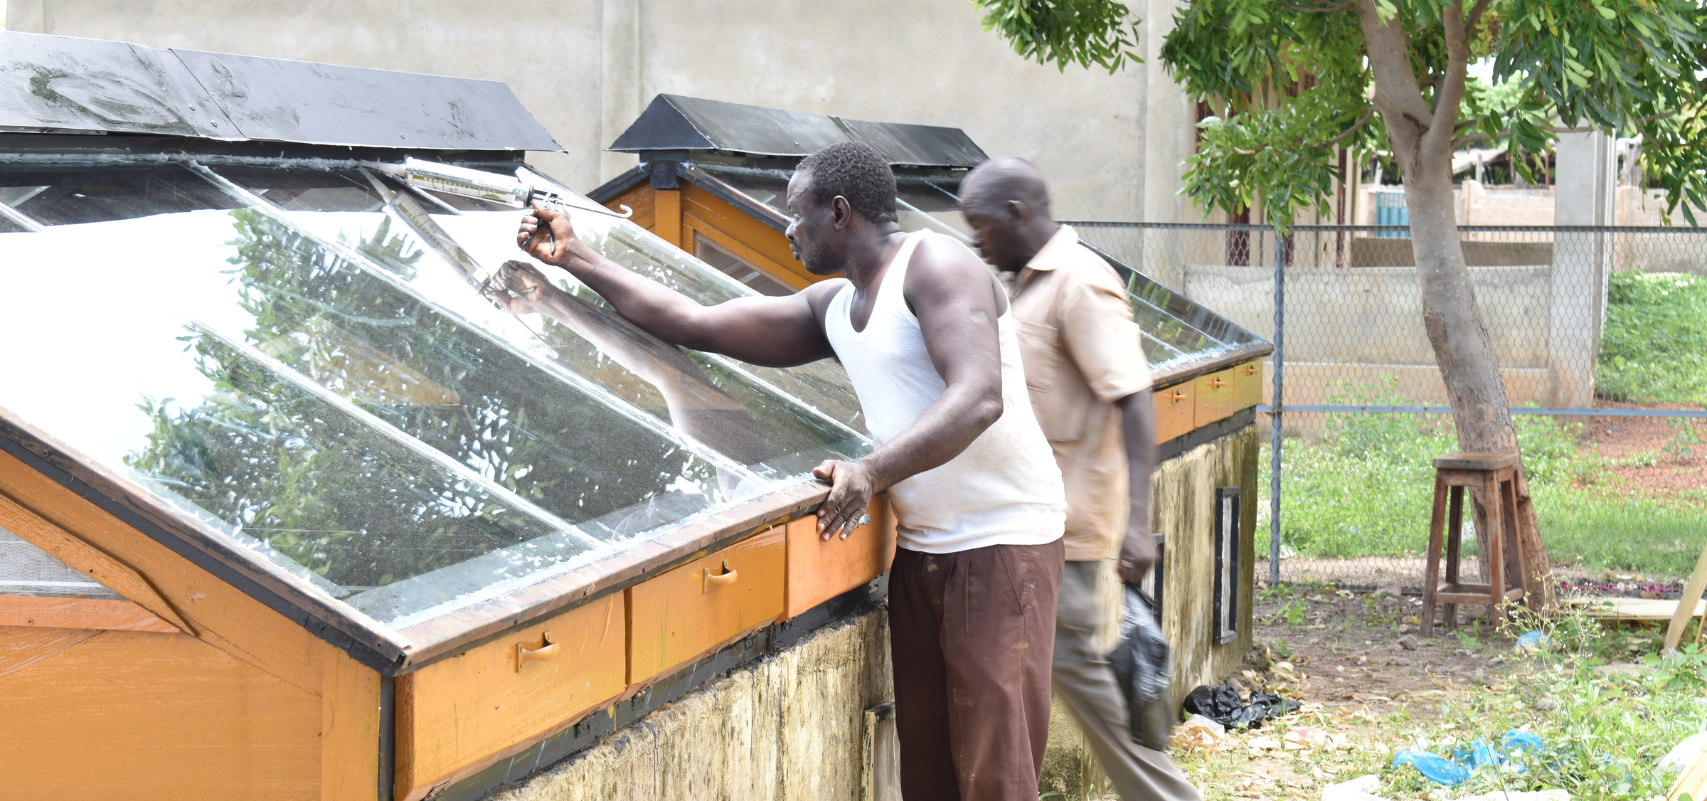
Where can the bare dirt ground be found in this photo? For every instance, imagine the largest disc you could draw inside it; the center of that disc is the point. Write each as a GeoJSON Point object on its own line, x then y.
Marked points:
{"type": "Point", "coordinates": [1357, 663]}
{"type": "Point", "coordinates": [1624, 439]}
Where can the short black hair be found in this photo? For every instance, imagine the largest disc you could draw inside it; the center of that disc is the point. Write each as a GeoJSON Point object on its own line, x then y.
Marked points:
{"type": "Point", "coordinates": [858, 172]}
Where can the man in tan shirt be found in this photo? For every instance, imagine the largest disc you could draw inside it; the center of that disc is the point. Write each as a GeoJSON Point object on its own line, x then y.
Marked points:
{"type": "Point", "coordinates": [1090, 389]}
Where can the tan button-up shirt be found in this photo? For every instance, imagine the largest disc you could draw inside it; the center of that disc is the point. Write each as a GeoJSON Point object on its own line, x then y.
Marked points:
{"type": "Point", "coordinates": [1082, 353]}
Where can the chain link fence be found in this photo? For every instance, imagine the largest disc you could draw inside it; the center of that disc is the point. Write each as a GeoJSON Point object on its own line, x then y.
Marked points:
{"type": "Point", "coordinates": [1600, 334]}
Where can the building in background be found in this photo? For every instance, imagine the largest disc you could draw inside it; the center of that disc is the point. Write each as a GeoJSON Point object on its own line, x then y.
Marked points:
{"type": "Point", "coordinates": [1112, 146]}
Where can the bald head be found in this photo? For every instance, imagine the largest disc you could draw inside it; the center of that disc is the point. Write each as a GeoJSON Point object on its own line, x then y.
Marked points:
{"type": "Point", "coordinates": [1005, 178]}
{"type": "Point", "coordinates": [1006, 203]}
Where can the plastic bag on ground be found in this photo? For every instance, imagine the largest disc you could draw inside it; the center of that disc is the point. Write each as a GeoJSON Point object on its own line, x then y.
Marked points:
{"type": "Point", "coordinates": [1223, 705]}
{"type": "Point", "coordinates": [1437, 769]}
{"type": "Point", "coordinates": [1143, 666]}
{"type": "Point", "coordinates": [1361, 788]}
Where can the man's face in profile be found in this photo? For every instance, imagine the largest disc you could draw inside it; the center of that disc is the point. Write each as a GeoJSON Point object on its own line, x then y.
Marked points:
{"type": "Point", "coordinates": [813, 227]}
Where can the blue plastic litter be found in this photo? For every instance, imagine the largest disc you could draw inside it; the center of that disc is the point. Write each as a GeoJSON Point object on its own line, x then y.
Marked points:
{"type": "Point", "coordinates": [1477, 754]}
{"type": "Point", "coordinates": [1437, 769]}
{"type": "Point", "coordinates": [1533, 640]}
{"type": "Point", "coordinates": [1517, 742]}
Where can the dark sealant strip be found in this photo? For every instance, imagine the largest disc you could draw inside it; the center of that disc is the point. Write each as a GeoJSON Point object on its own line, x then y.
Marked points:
{"type": "Point", "coordinates": [387, 738]}
{"type": "Point", "coordinates": [596, 727]}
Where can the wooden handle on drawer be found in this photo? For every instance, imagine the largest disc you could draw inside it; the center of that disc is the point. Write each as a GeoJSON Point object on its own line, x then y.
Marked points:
{"type": "Point", "coordinates": [524, 654]}
{"type": "Point", "coordinates": [1217, 383]}
{"type": "Point", "coordinates": [709, 578]}
{"type": "Point", "coordinates": [1251, 369]}
{"type": "Point", "coordinates": [1179, 395]}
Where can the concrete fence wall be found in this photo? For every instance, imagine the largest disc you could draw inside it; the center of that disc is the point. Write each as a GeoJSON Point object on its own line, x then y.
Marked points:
{"type": "Point", "coordinates": [1361, 325]}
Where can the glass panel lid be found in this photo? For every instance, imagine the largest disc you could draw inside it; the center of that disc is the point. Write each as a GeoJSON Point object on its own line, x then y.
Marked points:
{"type": "Point", "coordinates": [325, 387]}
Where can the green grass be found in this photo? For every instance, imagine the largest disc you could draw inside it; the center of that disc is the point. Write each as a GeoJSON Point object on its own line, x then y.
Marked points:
{"type": "Point", "coordinates": [1654, 347]}
{"type": "Point", "coordinates": [1365, 490]}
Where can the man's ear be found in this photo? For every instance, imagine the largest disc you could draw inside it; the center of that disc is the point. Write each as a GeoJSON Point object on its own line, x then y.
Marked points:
{"type": "Point", "coordinates": [1018, 210]}
{"type": "Point", "coordinates": [841, 212]}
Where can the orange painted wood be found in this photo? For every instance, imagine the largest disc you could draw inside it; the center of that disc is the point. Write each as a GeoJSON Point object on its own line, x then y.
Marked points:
{"type": "Point", "coordinates": [80, 613]}
{"type": "Point", "coordinates": [349, 728]}
{"type": "Point", "coordinates": [763, 245]}
{"type": "Point", "coordinates": [667, 224]}
{"type": "Point", "coordinates": [22, 647]}
{"type": "Point", "coordinates": [1247, 385]}
{"type": "Point", "coordinates": [87, 559]}
{"type": "Point", "coordinates": [461, 714]}
{"type": "Point", "coordinates": [1216, 397]}
{"type": "Point", "coordinates": [820, 570]}
{"type": "Point", "coordinates": [267, 649]}
{"type": "Point", "coordinates": [790, 277]}
{"type": "Point", "coordinates": [676, 616]}
{"type": "Point", "coordinates": [155, 716]}
{"type": "Point", "coordinates": [639, 201]}
{"type": "Point", "coordinates": [222, 615]}
{"type": "Point", "coordinates": [1175, 411]}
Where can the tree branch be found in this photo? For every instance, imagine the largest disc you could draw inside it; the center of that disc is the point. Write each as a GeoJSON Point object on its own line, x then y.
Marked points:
{"type": "Point", "coordinates": [1475, 17]}
{"type": "Point", "coordinates": [1397, 94]}
{"type": "Point", "coordinates": [1323, 9]}
{"type": "Point", "coordinates": [1368, 114]}
{"type": "Point", "coordinates": [1451, 93]}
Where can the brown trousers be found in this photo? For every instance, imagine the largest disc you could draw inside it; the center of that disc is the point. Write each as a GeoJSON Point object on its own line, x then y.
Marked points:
{"type": "Point", "coordinates": [971, 635]}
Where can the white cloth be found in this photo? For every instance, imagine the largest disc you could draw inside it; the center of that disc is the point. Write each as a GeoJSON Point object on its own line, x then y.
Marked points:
{"type": "Point", "coordinates": [1005, 488]}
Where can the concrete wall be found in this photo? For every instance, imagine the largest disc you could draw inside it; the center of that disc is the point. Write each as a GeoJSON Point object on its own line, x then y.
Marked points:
{"type": "Point", "coordinates": [1365, 324]}
{"type": "Point", "coordinates": [586, 68]}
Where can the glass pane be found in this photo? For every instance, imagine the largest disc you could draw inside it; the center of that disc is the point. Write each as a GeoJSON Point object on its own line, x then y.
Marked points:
{"type": "Point", "coordinates": [821, 386]}
{"type": "Point", "coordinates": [709, 400]}
{"type": "Point", "coordinates": [29, 571]}
{"type": "Point", "coordinates": [65, 196]}
{"type": "Point", "coordinates": [308, 190]}
{"type": "Point", "coordinates": [334, 420]}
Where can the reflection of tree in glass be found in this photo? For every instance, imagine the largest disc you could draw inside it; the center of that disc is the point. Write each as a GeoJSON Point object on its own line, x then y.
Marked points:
{"type": "Point", "coordinates": [429, 376]}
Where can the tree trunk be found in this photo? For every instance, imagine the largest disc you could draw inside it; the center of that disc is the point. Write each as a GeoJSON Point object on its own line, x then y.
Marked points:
{"type": "Point", "coordinates": [1421, 138]}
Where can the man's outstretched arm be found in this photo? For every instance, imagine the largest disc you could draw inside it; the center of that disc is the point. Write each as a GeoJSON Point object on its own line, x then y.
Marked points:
{"type": "Point", "coordinates": [774, 332]}
{"type": "Point", "coordinates": [954, 297]}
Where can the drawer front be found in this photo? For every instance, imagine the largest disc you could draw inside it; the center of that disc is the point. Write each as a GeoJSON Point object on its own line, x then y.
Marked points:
{"type": "Point", "coordinates": [819, 571]}
{"type": "Point", "coordinates": [1217, 396]}
{"type": "Point", "coordinates": [1175, 410]}
{"type": "Point", "coordinates": [1247, 385]}
{"type": "Point", "coordinates": [460, 714]}
{"type": "Point", "coordinates": [677, 616]}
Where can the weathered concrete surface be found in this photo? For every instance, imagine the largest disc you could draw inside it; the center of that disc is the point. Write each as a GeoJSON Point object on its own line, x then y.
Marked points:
{"type": "Point", "coordinates": [586, 68]}
{"type": "Point", "coordinates": [787, 727]}
{"type": "Point", "coordinates": [1185, 511]}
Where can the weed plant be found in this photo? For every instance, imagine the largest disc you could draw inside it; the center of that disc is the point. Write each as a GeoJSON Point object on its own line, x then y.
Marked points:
{"type": "Point", "coordinates": [1654, 345]}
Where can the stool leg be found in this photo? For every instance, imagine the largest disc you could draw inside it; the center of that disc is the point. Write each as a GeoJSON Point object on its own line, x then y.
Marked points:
{"type": "Point", "coordinates": [1496, 544]}
{"type": "Point", "coordinates": [1431, 573]}
{"type": "Point", "coordinates": [1513, 549]}
{"type": "Point", "coordinates": [1454, 541]}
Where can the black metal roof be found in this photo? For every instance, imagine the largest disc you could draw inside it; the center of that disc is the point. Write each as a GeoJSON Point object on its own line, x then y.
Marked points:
{"type": "Point", "coordinates": [673, 123]}
{"type": "Point", "coordinates": [61, 84]}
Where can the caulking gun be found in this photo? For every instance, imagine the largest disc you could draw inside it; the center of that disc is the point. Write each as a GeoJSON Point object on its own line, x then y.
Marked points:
{"type": "Point", "coordinates": [516, 191]}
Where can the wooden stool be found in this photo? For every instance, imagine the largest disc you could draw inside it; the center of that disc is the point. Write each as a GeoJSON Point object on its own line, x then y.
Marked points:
{"type": "Point", "coordinates": [1496, 474]}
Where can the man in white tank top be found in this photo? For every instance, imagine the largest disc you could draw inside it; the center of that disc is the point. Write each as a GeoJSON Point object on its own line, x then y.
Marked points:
{"type": "Point", "coordinates": [926, 334]}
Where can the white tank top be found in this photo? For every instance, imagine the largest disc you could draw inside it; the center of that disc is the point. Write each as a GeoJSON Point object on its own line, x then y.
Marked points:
{"type": "Point", "coordinates": [1005, 488]}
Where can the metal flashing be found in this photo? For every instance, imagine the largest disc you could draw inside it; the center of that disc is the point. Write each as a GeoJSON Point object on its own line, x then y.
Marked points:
{"type": "Point", "coordinates": [698, 125]}
{"type": "Point", "coordinates": [61, 84]}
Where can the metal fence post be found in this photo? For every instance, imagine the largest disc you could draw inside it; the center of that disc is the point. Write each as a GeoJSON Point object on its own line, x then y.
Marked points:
{"type": "Point", "coordinates": [1274, 419]}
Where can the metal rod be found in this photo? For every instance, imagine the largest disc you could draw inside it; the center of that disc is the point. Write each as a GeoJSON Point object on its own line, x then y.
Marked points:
{"type": "Point", "coordinates": [1276, 411]}
{"type": "Point", "coordinates": [20, 218]}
